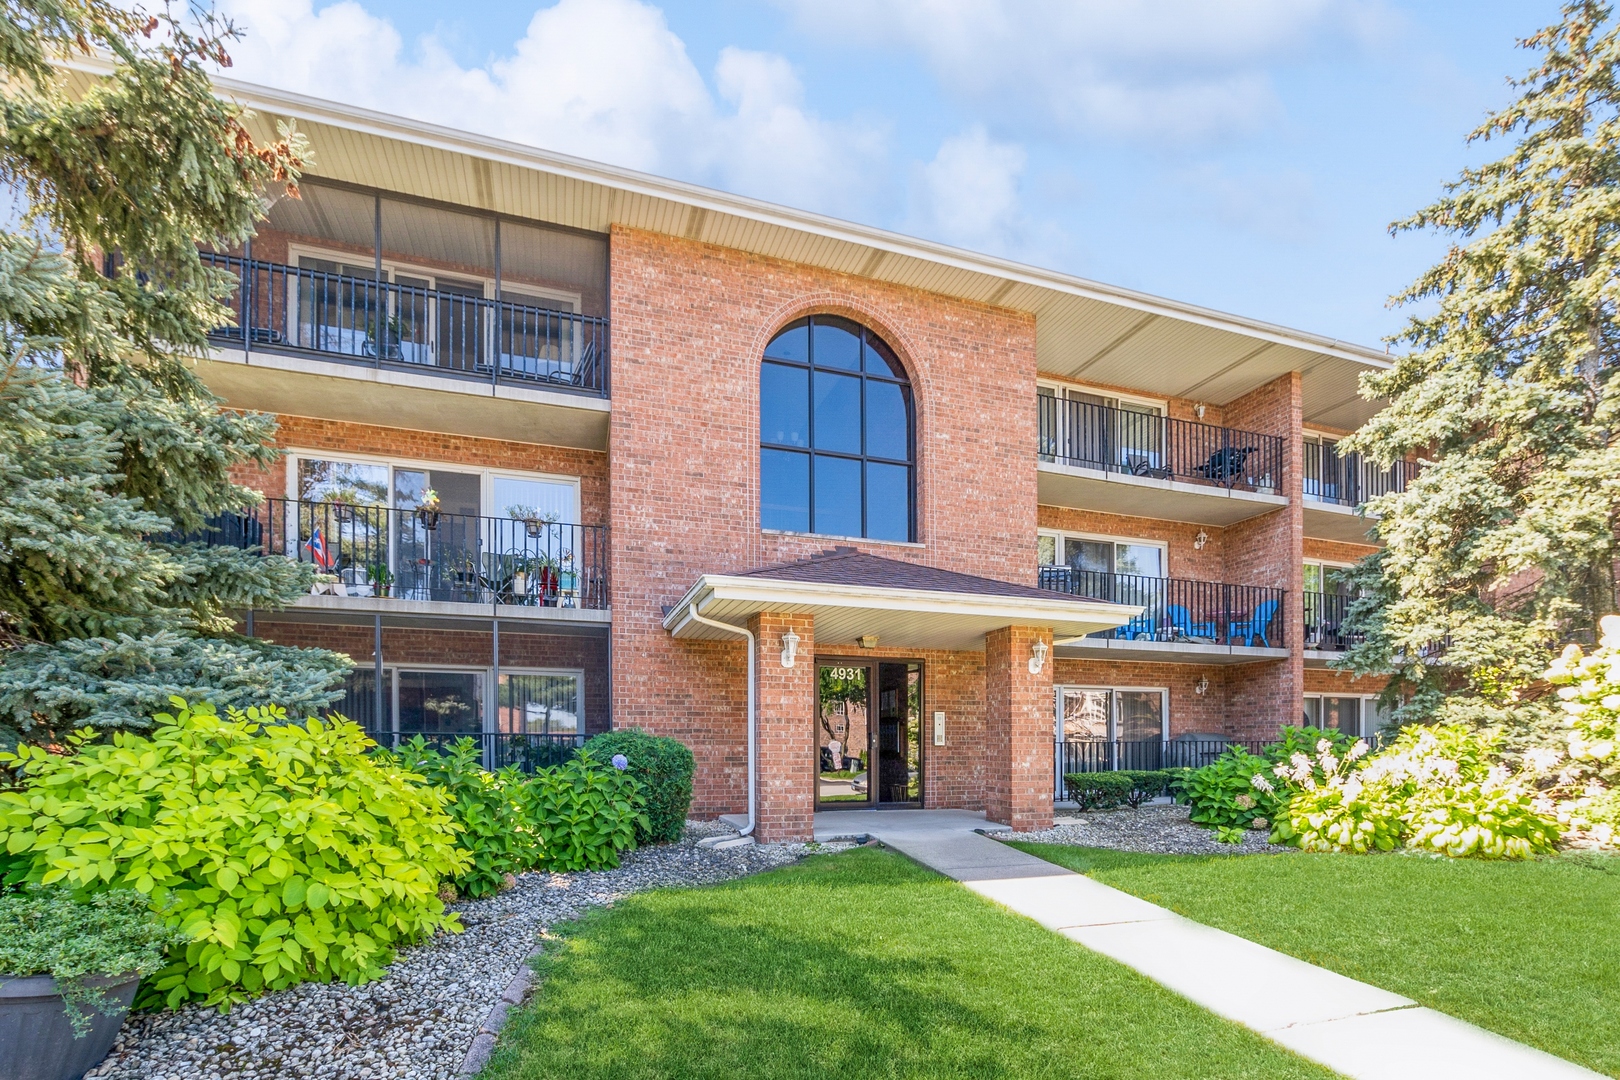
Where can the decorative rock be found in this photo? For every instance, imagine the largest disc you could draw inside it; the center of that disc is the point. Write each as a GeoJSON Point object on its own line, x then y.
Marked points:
{"type": "Point", "coordinates": [1158, 830]}
{"type": "Point", "coordinates": [426, 1018]}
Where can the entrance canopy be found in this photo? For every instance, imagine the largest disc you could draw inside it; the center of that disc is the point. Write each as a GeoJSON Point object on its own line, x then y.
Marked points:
{"type": "Point", "coordinates": [854, 595]}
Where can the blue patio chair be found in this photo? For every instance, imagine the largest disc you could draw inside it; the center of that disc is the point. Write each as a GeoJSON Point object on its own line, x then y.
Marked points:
{"type": "Point", "coordinates": [1143, 627]}
{"type": "Point", "coordinates": [1180, 620]}
{"type": "Point", "coordinates": [1255, 627]}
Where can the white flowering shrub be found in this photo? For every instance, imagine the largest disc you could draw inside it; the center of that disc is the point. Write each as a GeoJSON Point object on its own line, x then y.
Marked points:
{"type": "Point", "coordinates": [1587, 780]}
{"type": "Point", "coordinates": [1434, 788]}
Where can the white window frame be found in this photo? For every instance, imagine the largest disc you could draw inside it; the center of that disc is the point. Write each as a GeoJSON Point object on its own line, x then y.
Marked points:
{"type": "Point", "coordinates": [1113, 706]}
{"type": "Point", "coordinates": [1325, 565]}
{"type": "Point", "coordinates": [486, 481]}
{"type": "Point", "coordinates": [1060, 535]}
{"type": "Point", "coordinates": [1364, 728]}
{"type": "Point", "coordinates": [511, 293]}
{"type": "Point", "coordinates": [492, 719]}
{"type": "Point", "coordinates": [1118, 396]}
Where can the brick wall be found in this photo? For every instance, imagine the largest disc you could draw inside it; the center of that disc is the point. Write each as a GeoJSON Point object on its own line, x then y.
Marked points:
{"type": "Point", "coordinates": [1319, 680]}
{"type": "Point", "coordinates": [1336, 551]}
{"type": "Point", "coordinates": [690, 323]}
{"type": "Point", "coordinates": [786, 740]}
{"type": "Point", "coordinates": [403, 646]}
{"type": "Point", "coordinates": [1018, 729]}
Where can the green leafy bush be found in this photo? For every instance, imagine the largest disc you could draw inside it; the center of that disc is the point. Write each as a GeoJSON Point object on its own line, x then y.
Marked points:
{"type": "Point", "coordinates": [1125, 787]}
{"type": "Point", "coordinates": [585, 813]}
{"type": "Point", "coordinates": [493, 810]}
{"type": "Point", "coordinates": [44, 930]}
{"type": "Point", "coordinates": [663, 767]}
{"type": "Point", "coordinates": [1434, 788]}
{"type": "Point", "coordinates": [1585, 771]}
{"type": "Point", "coordinates": [283, 852]}
{"type": "Point", "coordinates": [1224, 796]}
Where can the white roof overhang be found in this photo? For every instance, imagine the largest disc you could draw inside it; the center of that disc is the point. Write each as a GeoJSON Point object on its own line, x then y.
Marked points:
{"type": "Point", "coordinates": [902, 618]}
{"type": "Point", "coordinates": [1085, 330]}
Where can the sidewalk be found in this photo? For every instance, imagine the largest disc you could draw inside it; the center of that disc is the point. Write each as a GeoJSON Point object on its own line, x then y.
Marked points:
{"type": "Point", "coordinates": [1353, 1028]}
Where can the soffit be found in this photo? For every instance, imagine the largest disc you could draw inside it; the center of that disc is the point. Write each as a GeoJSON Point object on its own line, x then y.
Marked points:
{"type": "Point", "coordinates": [1176, 349]}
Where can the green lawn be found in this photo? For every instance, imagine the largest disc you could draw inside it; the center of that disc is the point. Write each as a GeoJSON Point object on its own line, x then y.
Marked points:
{"type": "Point", "coordinates": [854, 965]}
{"type": "Point", "coordinates": [1528, 950]}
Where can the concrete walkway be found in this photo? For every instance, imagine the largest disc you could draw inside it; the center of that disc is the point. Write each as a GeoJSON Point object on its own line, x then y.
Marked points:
{"type": "Point", "coordinates": [1353, 1028]}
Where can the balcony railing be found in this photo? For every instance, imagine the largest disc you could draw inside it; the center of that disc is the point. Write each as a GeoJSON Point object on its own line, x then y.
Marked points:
{"type": "Point", "coordinates": [385, 324]}
{"type": "Point", "coordinates": [527, 750]}
{"type": "Point", "coordinates": [1179, 610]}
{"type": "Point", "coordinates": [1324, 621]}
{"type": "Point", "coordinates": [380, 551]}
{"type": "Point", "coordinates": [1347, 479]}
{"type": "Point", "coordinates": [1143, 444]}
{"type": "Point", "coordinates": [1108, 755]}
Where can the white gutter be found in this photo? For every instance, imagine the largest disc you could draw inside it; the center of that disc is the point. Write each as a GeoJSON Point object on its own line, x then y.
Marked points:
{"type": "Point", "coordinates": [696, 616]}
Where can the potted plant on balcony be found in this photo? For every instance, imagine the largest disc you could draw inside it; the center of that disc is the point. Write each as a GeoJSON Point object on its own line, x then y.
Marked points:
{"type": "Point", "coordinates": [382, 580]}
{"type": "Point", "coordinates": [328, 584]}
{"type": "Point", "coordinates": [68, 973]}
{"type": "Point", "coordinates": [427, 511]}
{"type": "Point", "coordinates": [534, 521]}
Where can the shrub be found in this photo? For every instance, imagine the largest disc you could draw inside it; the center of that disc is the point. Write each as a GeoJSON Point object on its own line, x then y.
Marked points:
{"type": "Point", "coordinates": [1099, 790]}
{"type": "Point", "coordinates": [585, 813]}
{"type": "Point", "coordinates": [282, 852]}
{"type": "Point", "coordinates": [497, 830]}
{"type": "Point", "coordinates": [1587, 781]}
{"type": "Point", "coordinates": [1224, 796]}
{"type": "Point", "coordinates": [663, 768]}
{"type": "Point", "coordinates": [1434, 788]}
{"type": "Point", "coordinates": [45, 931]}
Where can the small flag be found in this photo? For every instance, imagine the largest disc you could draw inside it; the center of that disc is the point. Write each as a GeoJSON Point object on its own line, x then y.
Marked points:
{"type": "Point", "coordinates": [318, 552]}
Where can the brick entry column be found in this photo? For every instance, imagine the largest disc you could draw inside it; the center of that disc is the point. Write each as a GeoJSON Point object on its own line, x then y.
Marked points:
{"type": "Point", "coordinates": [1018, 729]}
{"type": "Point", "coordinates": [786, 700]}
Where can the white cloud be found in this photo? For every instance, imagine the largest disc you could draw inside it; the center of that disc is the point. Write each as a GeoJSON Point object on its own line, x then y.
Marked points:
{"type": "Point", "coordinates": [602, 79]}
{"type": "Point", "coordinates": [968, 195]}
{"type": "Point", "coordinates": [1166, 69]}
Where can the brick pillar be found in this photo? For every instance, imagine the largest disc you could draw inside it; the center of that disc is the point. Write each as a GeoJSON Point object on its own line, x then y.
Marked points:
{"type": "Point", "coordinates": [1018, 729]}
{"type": "Point", "coordinates": [786, 699]}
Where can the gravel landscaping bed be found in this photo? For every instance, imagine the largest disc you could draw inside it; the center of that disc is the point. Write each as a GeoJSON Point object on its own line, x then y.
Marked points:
{"type": "Point", "coordinates": [417, 1022]}
{"type": "Point", "coordinates": [1159, 830]}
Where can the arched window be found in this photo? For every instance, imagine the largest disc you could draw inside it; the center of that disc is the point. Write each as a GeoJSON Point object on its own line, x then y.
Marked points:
{"type": "Point", "coordinates": [835, 433]}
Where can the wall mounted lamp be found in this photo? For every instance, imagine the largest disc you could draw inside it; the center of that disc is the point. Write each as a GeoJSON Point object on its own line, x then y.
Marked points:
{"type": "Point", "coordinates": [790, 647]}
{"type": "Point", "coordinates": [869, 641]}
{"type": "Point", "coordinates": [1198, 410]}
{"type": "Point", "coordinates": [1203, 685]}
{"type": "Point", "coordinates": [1201, 539]}
{"type": "Point", "coordinates": [1037, 658]}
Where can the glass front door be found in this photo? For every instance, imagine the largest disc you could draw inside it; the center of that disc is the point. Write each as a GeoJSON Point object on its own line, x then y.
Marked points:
{"type": "Point", "coordinates": [862, 763]}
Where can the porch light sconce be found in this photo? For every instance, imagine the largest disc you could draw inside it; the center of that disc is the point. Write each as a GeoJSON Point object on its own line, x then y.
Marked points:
{"type": "Point", "coordinates": [1038, 659]}
{"type": "Point", "coordinates": [869, 641]}
{"type": "Point", "coordinates": [1201, 539]}
{"type": "Point", "coordinates": [1203, 685]}
{"type": "Point", "coordinates": [790, 648]}
{"type": "Point", "coordinates": [1198, 410]}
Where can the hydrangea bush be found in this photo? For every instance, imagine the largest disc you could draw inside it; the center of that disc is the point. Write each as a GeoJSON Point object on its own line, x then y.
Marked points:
{"type": "Point", "coordinates": [1588, 777]}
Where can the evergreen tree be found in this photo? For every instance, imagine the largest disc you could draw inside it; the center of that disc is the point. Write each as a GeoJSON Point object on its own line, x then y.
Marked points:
{"type": "Point", "coordinates": [112, 450]}
{"type": "Point", "coordinates": [1503, 547]}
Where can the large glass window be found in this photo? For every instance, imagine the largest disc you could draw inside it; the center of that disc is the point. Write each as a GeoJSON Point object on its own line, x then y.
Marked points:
{"type": "Point", "coordinates": [836, 433]}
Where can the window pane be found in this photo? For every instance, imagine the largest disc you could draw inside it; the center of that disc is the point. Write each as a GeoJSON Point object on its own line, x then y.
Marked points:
{"type": "Point", "coordinates": [1143, 559]}
{"type": "Point", "coordinates": [880, 359]}
{"type": "Point", "coordinates": [535, 498]}
{"type": "Point", "coordinates": [1094, 555]}
{"type": "Point", "coordinates": [343, 481]}
{"type": "Point", "coordinates": [359, 700]}
{"type": "Point", "coordinates": [784, 405]}
{"type": "Point", "coordinates": [1046, 550]}
{"type": "Point", "coordinates": [440, 702]}
{"type": "Point", "coordinates": [792, 343]}
{"type": "Point", "coordinates": [784, 490]}
{"type": "Point", "coordinates": [1343, 713]}
{"type": "Point", "coordinates": [1313, 578]}
{"type": "Point", "coordinates": [1313, 712]}
{"type": "Point", "coordinates": [887, 421]}
{"type": "Point", "coordinates": [1141, 714]}
{"type": "Point", "coordinates": [1338, 580]}
{"type": "Point", "coordinates": [1085, 713]}
{"type": "Point", "coordinates": [409, 487]}
{"type": "Point", "coordinates": [838, 412]}
{"type": "Point", "coordinates": [838, 496]}
{"type": "Point", "coordinates": [837, 344]}
{"type": "Point", "coordinates": [539, 705]}
{"type": "Point", "coordinates": [888, 501]}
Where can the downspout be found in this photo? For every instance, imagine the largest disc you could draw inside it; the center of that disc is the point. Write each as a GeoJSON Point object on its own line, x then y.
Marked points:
{"type": "Point", "coordinates": [696, 617]}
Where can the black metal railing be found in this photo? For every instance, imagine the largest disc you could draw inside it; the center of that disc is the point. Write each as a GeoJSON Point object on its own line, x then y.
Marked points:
{"type": "Point", "coordinates": [421, 554]}
{"type": "Point", "coordinates": [1177, 609]}
{"type": "Point", "coordinates": [1146, 444]}
{"type": "Point", "coordinates": [1108, 755]}
{"type": "Point", "coordinates": [387, 324]}
{"type": "Point", "coordinates": [1325, 615]}
{"type": "Point", "coordinates": [527, 750]}
{"type": "Point", "coordinates": [1348, 479]}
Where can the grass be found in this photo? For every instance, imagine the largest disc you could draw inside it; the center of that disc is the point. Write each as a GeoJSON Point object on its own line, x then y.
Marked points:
{"type": "Point", "coordinates": [1528, 950]}
{"type": "Point", "coordinates": [861, 964]}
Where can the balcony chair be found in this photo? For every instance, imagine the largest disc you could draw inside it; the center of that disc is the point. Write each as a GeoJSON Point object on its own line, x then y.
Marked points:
{"type": "Point", "coordinates": [1182, 626]}
{"type": "Point", "coordinates": [1141, 628]}
{"type": "Point", "coordinates": [1257, 626]}
{"type": "Point", "coordinates": [1143, 466]}
{"type": "Point", "coordinates": [1225, 466]}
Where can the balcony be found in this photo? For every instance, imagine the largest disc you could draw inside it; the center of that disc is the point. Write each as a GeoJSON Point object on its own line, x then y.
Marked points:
{"type": "Point", "coordinates": [1325, 614]}
{"type": "Point", "coordinates": [1123, 462]}
{"type": "Point", "coordinates": [1182, 620]}
{"type": "Point", "coordinates": [1337, 484]}
{"type": "Point", "coordinates": [387, 560]}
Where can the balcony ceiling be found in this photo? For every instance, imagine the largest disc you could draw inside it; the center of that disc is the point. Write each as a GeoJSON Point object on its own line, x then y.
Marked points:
{"type": "Point", "coordinates": [1084, 329]}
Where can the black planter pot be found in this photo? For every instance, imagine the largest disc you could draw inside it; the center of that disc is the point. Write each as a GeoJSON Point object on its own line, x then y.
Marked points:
{"type": "Point", "coordinates": [36, 1036]}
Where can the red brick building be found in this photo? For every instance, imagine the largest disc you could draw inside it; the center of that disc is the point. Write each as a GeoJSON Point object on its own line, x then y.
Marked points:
{"type": "Point", "coordinates": [863, 520]}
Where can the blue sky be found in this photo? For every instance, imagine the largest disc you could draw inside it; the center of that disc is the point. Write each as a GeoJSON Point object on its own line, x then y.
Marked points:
{"type": "Point", "coordinates": [1247, 155]}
